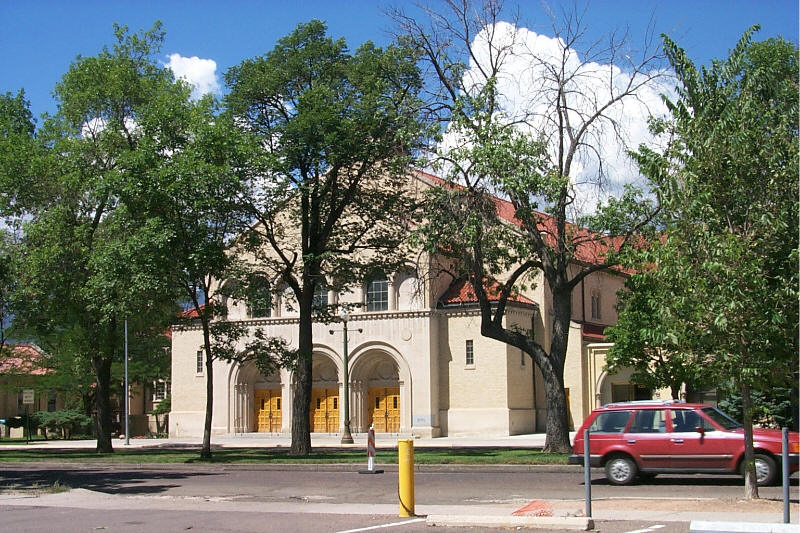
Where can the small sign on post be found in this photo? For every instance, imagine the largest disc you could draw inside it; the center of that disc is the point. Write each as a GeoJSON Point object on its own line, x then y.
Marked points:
{"type": "Point", "coordinates": [27, 399]}
{"type": "Point", "coordinates": [27, 396]}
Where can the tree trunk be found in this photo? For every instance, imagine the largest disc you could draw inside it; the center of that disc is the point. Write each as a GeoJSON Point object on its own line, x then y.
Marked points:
{"type": "Point", "coordinates": [675, 389]}
{"type": "Point", "coordinates": [102, 371]}
{"type": "Point", "coordinates": [750, 482]}
{"type": "Point", "coordinates": [301, 430]}
{"type": "Point", "coordinates": [557, 439]}
{"type": "Point", "coordinates": [205, 451]}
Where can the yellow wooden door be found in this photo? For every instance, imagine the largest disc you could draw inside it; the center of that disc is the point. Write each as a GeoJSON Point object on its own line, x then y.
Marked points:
{"type": "Point", "coordinates": [275, 416]}
{"type": "Point", "coordinates": [324, 410]}
{"type": "Point", "coordinates": [268, 410]}
{"type": "Point", "coordinates": [332, 419]}
{"type": "Point", "coordinates": [384, 410]}
{"type": "Point", "coordinates": [393, 409]}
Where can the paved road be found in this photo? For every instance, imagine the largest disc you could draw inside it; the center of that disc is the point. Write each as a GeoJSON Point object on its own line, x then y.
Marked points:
{"type": "Point", "coordinates": [233, 498]}
{"type": "Point", "coordinates": [445, 486]}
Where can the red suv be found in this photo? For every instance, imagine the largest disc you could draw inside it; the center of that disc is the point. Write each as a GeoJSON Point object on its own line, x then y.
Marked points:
{"type": "Point", "coordinates": [653, 437]}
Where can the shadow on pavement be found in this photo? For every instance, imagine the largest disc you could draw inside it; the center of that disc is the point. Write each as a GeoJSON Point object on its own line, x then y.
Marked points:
{"type": "Point", "coordinates": [116, 481]}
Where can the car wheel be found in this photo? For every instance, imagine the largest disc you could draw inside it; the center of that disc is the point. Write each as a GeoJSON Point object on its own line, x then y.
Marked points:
{"type": "Point", "coordinates": [620, 470]}
{"type": "Point", "coordinates": [766, 470]}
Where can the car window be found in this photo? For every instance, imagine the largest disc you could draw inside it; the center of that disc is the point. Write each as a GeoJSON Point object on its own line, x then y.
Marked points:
{"type": "Point", "coordinates": [721, 418]}
{"type": "Point", "coordinates": [610, 422]}
{"type": "Point", "coordinates": [649, 421]}
{"type": "Point", "coordinates": [684, 420]}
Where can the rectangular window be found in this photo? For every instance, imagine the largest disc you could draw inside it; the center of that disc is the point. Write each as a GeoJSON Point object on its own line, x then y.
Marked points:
{"type": "Point", "coordinates": [596, 305]}
{"type": "Point", "coordinates": [628, 392]}
{"type": "Point", "coordinates": [470, 353]}
{"type": "Point", "coordinates": [51, 401]}
{"type": "Point", "coordinates": [160, 390]}
{"type": "Point", "coordinates": [611, 422]}
{"type": "Point", "coordinates": [199, 361]}
{"type": "Point", "coordinates": [378, 295]}
{"type": "Point", "coordinates": [259, 297]}
{"type": "Point", "coordinates": [649, 421]}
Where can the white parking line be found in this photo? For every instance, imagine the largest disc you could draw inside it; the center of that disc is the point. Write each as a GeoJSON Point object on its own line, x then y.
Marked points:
{"type": "Point", "coordinates": [648, 530]}
{"type": "Point", "coordinates": [383, 525]}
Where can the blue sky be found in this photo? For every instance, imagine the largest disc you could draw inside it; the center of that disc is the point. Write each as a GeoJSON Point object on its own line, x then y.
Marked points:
{"type": "Point", "coordinates": [39, 39]}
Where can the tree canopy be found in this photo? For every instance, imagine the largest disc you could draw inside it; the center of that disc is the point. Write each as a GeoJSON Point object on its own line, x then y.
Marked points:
{"type": "Point", "coordinates": [725, 274]}
{"type": "Point", "coordinates": [529, 153]}
{"type": "Point", "coordinates": [85, 262]}
{"type": "Point", "coordinates": [337, 130]}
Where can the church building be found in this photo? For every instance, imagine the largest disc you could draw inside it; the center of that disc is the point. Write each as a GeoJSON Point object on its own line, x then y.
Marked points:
{"type": "Point", "coordinates": [418, 364]}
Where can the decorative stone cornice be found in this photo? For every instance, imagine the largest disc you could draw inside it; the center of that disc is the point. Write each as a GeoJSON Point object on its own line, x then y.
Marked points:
{"type": "Point", "coordinates": [360, 317]}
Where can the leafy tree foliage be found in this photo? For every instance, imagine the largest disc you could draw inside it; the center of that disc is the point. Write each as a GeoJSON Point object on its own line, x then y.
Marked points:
{"type": "Point", "coordinates": [653, 332]}
{"type": "Point", "coordinates": [530, 154]}
{"type": "Point", "coordinates": [85, 263]}
{"type": "Point", "coordinates": [335, 130]}
{"type": "Point", "coordinates": [726, 274]}
{"type": "Point", "coordinates": [191, 190]}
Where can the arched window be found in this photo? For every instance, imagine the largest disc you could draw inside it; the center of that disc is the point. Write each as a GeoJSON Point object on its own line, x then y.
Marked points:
{"type": "Point", "coordinates": [320, 303]}
{"type": "Point", "coordinates": [378, 294]}
{"type": "Point", "coordinates": [259, 297]}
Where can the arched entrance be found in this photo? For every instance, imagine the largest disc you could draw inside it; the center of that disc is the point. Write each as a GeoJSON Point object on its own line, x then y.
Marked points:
{"type": "Point", "coordinates": [323, 414]}
{"type": "Point", "coordinates": [378, 391]}
{"type": "Point", "coordinates": [257, 402]}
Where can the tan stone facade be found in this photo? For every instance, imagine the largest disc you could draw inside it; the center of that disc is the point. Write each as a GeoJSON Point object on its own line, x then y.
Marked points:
{"type": "Point", "coordinates": [418, 364]}
{"type": "Point", "coordinates": [414, 357]}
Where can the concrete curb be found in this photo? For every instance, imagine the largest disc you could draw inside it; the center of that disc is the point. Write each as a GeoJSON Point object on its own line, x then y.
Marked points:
{"type": "Point", "coordinates": [538, 522]}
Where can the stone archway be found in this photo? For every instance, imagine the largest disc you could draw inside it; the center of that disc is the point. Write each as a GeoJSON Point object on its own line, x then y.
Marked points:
{"type": "Point", "coordinates": [255, 396]}
{"type": "Point", "coordinates": [323, 411]}
{"type": "Point", "coordinates": [379, 391]}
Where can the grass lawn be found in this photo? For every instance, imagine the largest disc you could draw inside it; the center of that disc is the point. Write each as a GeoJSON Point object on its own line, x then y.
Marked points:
{"type": "Point", "coordinates": [473, 456]}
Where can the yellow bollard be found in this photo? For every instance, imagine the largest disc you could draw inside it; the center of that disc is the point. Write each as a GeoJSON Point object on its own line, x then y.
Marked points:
{"type": "Point", "coordinates": [405, 471]}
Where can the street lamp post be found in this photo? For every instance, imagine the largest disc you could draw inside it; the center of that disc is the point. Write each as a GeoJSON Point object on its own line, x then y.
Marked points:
{"type": "Point", "coordinates": [347, 437]}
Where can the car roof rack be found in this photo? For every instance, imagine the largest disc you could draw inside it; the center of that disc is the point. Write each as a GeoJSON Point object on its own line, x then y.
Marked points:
{"type": "Point", "coordinates": [644, 402]}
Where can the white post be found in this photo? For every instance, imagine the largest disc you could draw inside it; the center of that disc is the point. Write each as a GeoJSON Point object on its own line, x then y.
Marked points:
{"type": "Point", "coordinates": [371, 453]}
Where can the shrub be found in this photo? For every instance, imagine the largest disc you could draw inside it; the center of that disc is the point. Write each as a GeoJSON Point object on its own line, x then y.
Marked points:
{"type": "Point", "coordinates": [65, 422]}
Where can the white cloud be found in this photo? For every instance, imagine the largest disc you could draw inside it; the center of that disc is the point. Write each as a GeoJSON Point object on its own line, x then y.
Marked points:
{"type": "Point", "coordinates": [527, 85]}
{"type": "Point", "coordinates": [201, 74]}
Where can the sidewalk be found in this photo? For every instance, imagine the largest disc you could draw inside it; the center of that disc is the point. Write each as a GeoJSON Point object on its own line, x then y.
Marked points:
{"type": "Point", "coordinates": [322, 440]}
{"type": "Point", "coordinates": [564, 512]}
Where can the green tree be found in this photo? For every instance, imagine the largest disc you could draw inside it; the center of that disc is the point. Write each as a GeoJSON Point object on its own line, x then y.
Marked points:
{"type": "Point", "coordinates": [653, 331]}
{"type": "Point", "coordinates": [198, 198]}
{"type": "Point", "coordinates": [17, 153]}
{"type": "Point", "coordinates": [336, 130]}
{"type": "Point", "coordinates": [531, 154]}
{"type": "Point", "coordinates": [728, 183]}
{"type": "Point", "coordinates": [85, 263]}
{"type": "Point", "coordinates": [7, 284]}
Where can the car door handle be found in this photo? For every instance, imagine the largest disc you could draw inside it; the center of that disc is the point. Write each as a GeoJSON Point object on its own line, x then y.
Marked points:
{"type": "Point", "coordinates": [631, 441]}
{"type": "Point", "coordinates": [677, 441]}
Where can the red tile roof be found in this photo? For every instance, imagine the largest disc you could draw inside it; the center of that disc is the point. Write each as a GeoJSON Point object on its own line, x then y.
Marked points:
{"type": "Point", "coordinates": [590, 249]}
{"type": "Point", "coordinates": [26, 359]}
{"type": "Point", "coordinates": [191, 312]}
{"type": "Point", "coordinates": [462, 292]}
